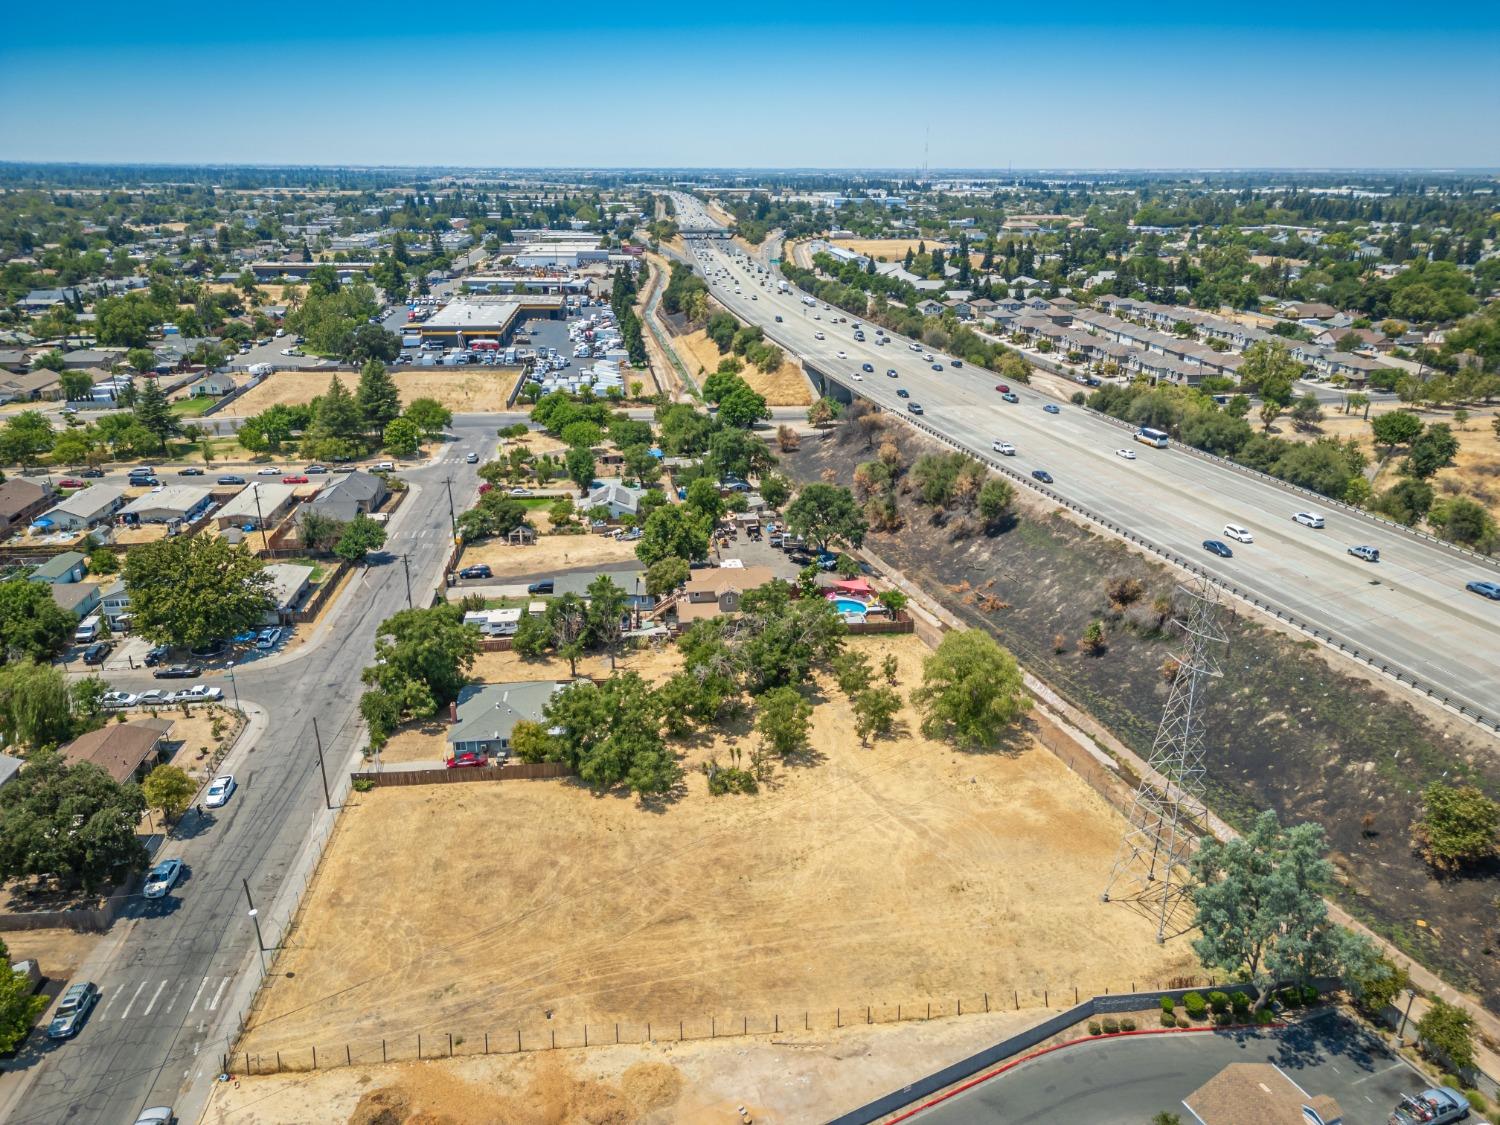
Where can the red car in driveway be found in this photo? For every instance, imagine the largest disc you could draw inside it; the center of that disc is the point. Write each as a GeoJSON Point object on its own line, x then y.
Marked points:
{"type": "Point", "coordinates": [72, 482]}
{"type": "Point", "coordinates": [298, 479]}
{"type": "Point", "coordinates": [462, 758]}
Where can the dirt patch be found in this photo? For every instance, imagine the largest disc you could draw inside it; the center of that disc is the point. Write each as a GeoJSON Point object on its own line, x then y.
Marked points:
{"type": "Point", "coordinates": [59, 952]}
{"type": "Point", "coordinates": [899, 874]}
{"type": "Point", "coordinates": [548, 554]}
{"type": "Point", "coordinates": [889, 249]}
{"type": "Point", "coordinates": [786, 386]}
{"type": "Point", "coordinates": [460, 389]}
{"type": "Point", "coordinates": [1291, 728]}
{"type": "Point", "coordinates": [796, 1076]}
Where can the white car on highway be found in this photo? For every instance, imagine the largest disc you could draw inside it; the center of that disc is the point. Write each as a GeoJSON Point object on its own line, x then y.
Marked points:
{"type": "Point", "coordinates": [1128, 454]}
{"type": "Point", "coordinates": [219, 792]}
{"type": "Point", "coordinates": [1308, 519]}
{"type": "Point", "coordinates": [1004, 448]}
{"type": "Point", "coordinates": [1239, 534]}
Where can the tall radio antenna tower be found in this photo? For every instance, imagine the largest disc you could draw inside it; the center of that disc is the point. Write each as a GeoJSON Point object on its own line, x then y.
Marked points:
{"type": "Point", "coordinates": [1150, 867]}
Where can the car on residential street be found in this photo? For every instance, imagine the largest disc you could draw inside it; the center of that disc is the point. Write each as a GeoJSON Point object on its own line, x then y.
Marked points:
{"type": "Point", "coordinates": [295, 478]}
{"type": "Point", "coordinates": [72, 1010]}
{"type": "Point", "coordinates": [1128, 454]}
{"type": "Point", "coordinates": [178, 672]}
{"type": "Point", "coordinates": [269, 471]}
{"type": "Point", "coordinates": [478, 570]}
{"type": "Point", "coordinates": [231, 478]}
{"type": "Point", "coordinates": [198, 693]}
{"type": "Point", "coordinates": [472, 459]}
{"type": "Point", "coordinates": [190, 471]}
{"type": "Point", "coordinates": [545, 586]}
{"type": "Point", "coordinates": [162, 878]}
{"type": "Point", "coordinates": [1042, 475]}
{"type": "Point", "coordinates": [519, 491]}
{"type": "Point", "coordinates": [220, 791]}
{"type": "Point", "coordinates": [1369, 554]}
{"type": "Point", "coordinates": [152, 697]}
{"type": "Point", "coordinates": [72, 482]}
{"type": "Point", "coordinates": [1218, 547]}
{"type": "Point", "coordinates": [116, 700]}
{"type": "Point", "coordinates": [157, 1115]}
{"type": "Point", "coordinates": [316, 470]}
{"type": "Point", "coordinates": [1489, 590]}
{"type": "Point", "coordinates": [92, 474]}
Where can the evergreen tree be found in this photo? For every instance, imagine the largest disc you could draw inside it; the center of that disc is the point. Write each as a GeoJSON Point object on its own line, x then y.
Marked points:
{"type": "Point", "coordinates": [379, 402]}
{"type": "Point", "coordinates": [152, 412]}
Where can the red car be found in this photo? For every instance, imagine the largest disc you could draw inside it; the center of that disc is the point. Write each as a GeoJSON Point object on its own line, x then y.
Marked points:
{"type": "Point", "coordinates": [463, 758]}
{"type": "Point", "coordinates": [298, 479]}
{"type": "Point", "coordinates": [72, 482]}
{"type": "Point", "coordinates": [1003, 388]}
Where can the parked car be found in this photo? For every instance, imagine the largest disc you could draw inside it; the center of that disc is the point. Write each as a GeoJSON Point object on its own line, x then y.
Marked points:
{"type": "Point", "coordinates": [162, 878]}
{"type": "Point", "coordinates": [1218, 547]}
{"type": "Point", "coordinates": [478, 570]}
{"type": "Point", "coordinates": [295, 478]}
{"type": "Point", "coordinates": [92, 474]}
{"type": "Point", "coordinates": [1489, 590]}
{"type": "Point", "coordinates": [1436, 1106]}
{"type": "Point", "coordinates": [72, 1010]}
{"type": "Point", "coordinates": [1308, 519]}
{"type": "Point", "coordinates": [198, 693]}
{"type": "Point", "coordinates": [545, 586]}
{"type": "Point", "coordinates": [157, 1115]}
{"type": "Point", "coordinates": [72, 482]}
{"type": "Point", "coordinates": [385, 466]}
{"type": "Point", "coordinates": [1052, 408]}
{"type": "Point", "coordinates": [155, 656]}
{"type": "Point", "coordinates": [231, 478]}
{"type": "Point", "coordinates": [463, 758]}
{"type": "Point", "coordinates": [220, 791]}
{"type": "Point", "coordinates": [190, 471]}
{"type": "Point", "coordinates": [97, 651]}
{"type": "Point", "coordinates": [268, 638]}
{"type": "Point", "coordinates": [1369, 554]}
{"type": "Point", "coordinates": [316, 470]}
{"type": "Point", "coordinates": [1003, 447]}
{"type": "Point", "coordinates": [1042, 475]}
{"type": "Point", "coordinates": [152, 697]}
{"type": "Point", "coordinates": [269, 471]}
{"type": "Point", "coordinates": [116, 700]}
{"type": "Point", "coordinates": [178, 672]}
{"type": "Point", "coordinates": [519, 491]}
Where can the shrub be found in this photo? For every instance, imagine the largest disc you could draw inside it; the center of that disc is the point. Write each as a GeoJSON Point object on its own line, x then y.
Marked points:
{"type": "Point", "coordinates": [1222, 1019]}
{"type": "Point", "coordinates": [1111, 1025]}
{"type": "Point", "coordinates": [363, 785]}
{"type": "Point", "coordinates": [1289, 997]}
{"type": "Point", "coordinates": [1240, 1001]}
{"type": "Point", "coordinates": [1309, 994]}
{"type": "Point", "coordinates": [1264, 1017]}
{"type": "Point", "coordinates": [1449, 1031]}
{"type": "Point", "coordinates": [1476, 1100]}
{"type": "Point", "coordinates": [1094, 1028]}
{"type": "Point", "coordinates": [1168, 1019]}
{"type": "Point", "coordinates": [1195, 1005]}
{"type": "Point", "coordinates": [1168, 1004]}
{"type": "Point", "coordinates": [1127, 1024]}
{"type": "Point", "coordinates": [1182, 1021]}
{"type": "Point", "coordinates": [1219, 1002]}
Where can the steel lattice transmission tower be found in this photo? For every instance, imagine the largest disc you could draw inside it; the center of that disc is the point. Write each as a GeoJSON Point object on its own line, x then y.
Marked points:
{"type": "Point", "coordinates": [1149, 871]}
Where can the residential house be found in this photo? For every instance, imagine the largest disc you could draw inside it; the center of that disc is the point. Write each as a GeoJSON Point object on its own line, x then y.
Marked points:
{"type": "Point", "coordinates": [485, 715]}
{"type": "Point", "coordinates": [350, 495]}
{"type": "Point", "coordinates": [114, 604]}
{"type": "Point", "coordinates": [1307, 311]}
{"type": "Point", "coordinates": [961, 309]}
{"type": "Point", "coordinates": [929, 307]}
{"type": "Point", "coordinates": [1367, 338]}
{"type": "Point", "coordinates": [86, 508]}
{"type": "Point", "coordinates": [1353, 367]}
{"type": "Point", "coordinates": [289, 586]}
{"type": "Point", "coordinates": [177, 503]}
{"type": "Point", "coordinates": [214, 386]}
{"type": "Point", "coordinates": [618, 498]}
{"type": "Point", "coordinates": [710, 593]}
{"type": "Point", "coordinates": [258, 506]}
{"type": "Point", "coordinates": [40, 300]}
{"type": "Point", "coordinates": [14, 360]}
{"type": "Point", "coordinates": [78, 598]}
{"type": "Point", "coordinates": [125, 751]}
{"type": "Point", "coordinates": [21, 501]}
{"type": "Point", "coordinates": [62, 569]}
{"type": "Point", "coordinates": [31, 386]}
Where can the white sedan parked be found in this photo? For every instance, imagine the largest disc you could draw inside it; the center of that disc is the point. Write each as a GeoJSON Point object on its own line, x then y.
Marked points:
{"type": "Point", "coordinates": [219, 792]}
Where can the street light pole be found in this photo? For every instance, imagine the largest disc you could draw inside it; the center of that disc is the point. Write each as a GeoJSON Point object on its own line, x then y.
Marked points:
{"type": "Point", "coordinates": [327, 800]}
{"type": "Point", "coordinates": [406, 566]}
{"type": "Point", "coordinates": [260, 518]}
{"type": "Point", "coordinates": [452, 519]}
{"type": "Point", "coordinates": [260, 941]}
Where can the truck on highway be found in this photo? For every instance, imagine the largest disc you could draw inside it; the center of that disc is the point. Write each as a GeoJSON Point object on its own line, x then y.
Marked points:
{"type": "Point", "coordinates": [784, 286]}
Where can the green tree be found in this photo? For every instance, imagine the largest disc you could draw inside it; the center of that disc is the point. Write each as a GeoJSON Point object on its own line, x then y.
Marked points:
{"type": "Point", "coordinates": [1433, 449]}
{"type": "Point", "coordinates": [1457, 827]}
{"type": "Point", "coordinates": [1448, 1031]}
{"type": "Point", "coordinates": [704, 501]}
{"type": "Point", "coordinates": [376, 396]}
{"type": "Point", "coordinates": [141, 359]}
{"type": "Point", "coordinates": [580, 466]}
{"type": "Point", "coordinates": [336, 430]}
{"type": "Point", "coordinates": [824, 512]}
{"type": "Point", "coordinates": [1398, 427]}
{"type": "Point", "coordinates": [402, 438]}
{"type": "Point", "coordinates": [606, 610]}
{"type": "Point", "coordinates": [360, 536]}
{"type": "Point", "coordinates": [494, 516]}
{"type": "Point", "coordinates": [195, 590]}
{"type": "Point", "coordinates": [1461, 520]}
{"type": "Point", "coordinates": [775, 490]}
{"type": "Point", "coordinates": [76, 385]}
{"type": "Point", "coordinates": [853, 672]}
{"type": "Point", "coordinates": [742, 408]}
{"type": "Point", "coordinates": [36, 707]}
{"type": "Point", "coordinates": [972, 690]}
{"type": "Point", "coordinates": [318, 532]}
{"type": "Point", "coordinates": [530, 742]}
{"type": "Point", "coordinates": [665, 575]}
{"type": "Point", "coordinates": [1260, 909]}
{"type": "Point", "coordinates": [20, 1004]}
{"type": "Point", "coordinates": [24, 437]}
{"type": "Point", "coordinates": [430, 416]}
{"type": "Point", "coordinates": [782, 719]}
{"type": "Point", "coordinates": [32, 625]}
{"type": "Point", "coordinates": [1407, 501]}
{"type": "Point", "coordinates": [422, 658]}
{"type": "Point", "coordinates": [168, 790]}
{"type": "Point", "coordinates": [611, 733]}
{"type": "Point", "coordinates": [875, 711]}
{"type": "Point", "coordinates": [73, 825]}
{"type": "Point", "coordinates": [672, 532]}
{"type": "Point", "coordinates": [153, 413]}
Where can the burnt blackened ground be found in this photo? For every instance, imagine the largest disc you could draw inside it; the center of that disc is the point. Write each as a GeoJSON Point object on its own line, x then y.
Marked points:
{"type": "Point", "coordinates": [1286, 728]}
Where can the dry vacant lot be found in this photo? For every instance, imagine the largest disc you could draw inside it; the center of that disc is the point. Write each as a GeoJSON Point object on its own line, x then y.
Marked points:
{"type": "Point", "coordinates": [550, 553]}
{"type": "Point", "coordinates": [887, 249]}
{"type": "Point", "coordinates": [460, 389]}
{"type": "Point", "coordinates": [796, 1076]}
{"type": "Point", "coordinates": [786, 386]}
{"type": "Point", "coordinates": [902, 873]}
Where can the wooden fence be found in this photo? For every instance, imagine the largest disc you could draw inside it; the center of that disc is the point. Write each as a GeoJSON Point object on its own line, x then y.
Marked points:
{"type": "Point", "coordinates": [511, 771]}
{"type": "Point", "coordinates": [902, 624]}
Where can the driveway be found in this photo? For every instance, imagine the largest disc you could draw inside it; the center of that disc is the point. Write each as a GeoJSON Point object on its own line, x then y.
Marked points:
{"type": "Point", "coordinates": [1132, 1079]}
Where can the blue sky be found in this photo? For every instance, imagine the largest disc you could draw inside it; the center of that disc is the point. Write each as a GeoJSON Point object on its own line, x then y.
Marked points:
{"type": "Point", "coordinates": [759, 85]}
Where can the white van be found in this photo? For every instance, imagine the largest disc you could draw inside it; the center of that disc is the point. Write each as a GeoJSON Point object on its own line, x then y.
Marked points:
{"type": "Point", "coordinates": [1235, 531]}
{"type": "Point", "coordinates": [1308, 519]}
{"type": "Point", "coordinates": [87, 631]}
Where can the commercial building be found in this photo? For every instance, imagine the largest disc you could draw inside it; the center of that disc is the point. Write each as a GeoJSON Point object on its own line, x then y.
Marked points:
{"type": "Point", "coordinates": [269, 271]}
{"type": "Point", "coordinates": [487, 317]}
{"type": "Point", "coordinates": [559, 254]}
{"type": "Point", "coordinates": [510, 282]}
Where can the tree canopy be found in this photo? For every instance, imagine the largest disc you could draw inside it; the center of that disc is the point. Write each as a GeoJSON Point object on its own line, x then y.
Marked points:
{"type": "Point", "coordinates": [971, 691]}
{"type": "Point", "coordinates": [195, 590]}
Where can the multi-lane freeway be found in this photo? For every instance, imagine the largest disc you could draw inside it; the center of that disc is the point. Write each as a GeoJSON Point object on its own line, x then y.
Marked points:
{"type": "Point", "coordinates": [174, 973]}
{"type": "Point", "coordinates": [1410, 610]}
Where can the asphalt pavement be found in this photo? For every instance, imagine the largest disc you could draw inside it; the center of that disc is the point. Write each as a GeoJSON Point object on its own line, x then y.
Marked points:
{"type": "Point", "coordinates": [1130, 1080]}
{"type": "Point", "coordinates": [1410, 612]}
{"type": "Point", "coordinates": [170, 971]}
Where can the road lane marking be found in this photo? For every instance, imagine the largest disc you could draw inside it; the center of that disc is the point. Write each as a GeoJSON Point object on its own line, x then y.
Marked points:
{"type": "Point", "coordinates": [213, 1005]}
{"type": "Point", "coordinates": [154, 997]}
{"type": "Point", "coordinates": [176, 992]}
{"type": "Point", "coordinates": [201, 985]}
{"type": "Point", "coordinates": [139, 989]}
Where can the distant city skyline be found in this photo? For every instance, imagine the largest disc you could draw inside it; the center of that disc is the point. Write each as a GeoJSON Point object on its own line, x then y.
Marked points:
{"type": "Point", "coordinates": [1326, 87]}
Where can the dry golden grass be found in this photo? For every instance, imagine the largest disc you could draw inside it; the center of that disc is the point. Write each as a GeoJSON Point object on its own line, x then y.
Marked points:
{"type": "Point", "coordinates": [786, 386]}
{"type": "Point", "coordinates": [466, 390]}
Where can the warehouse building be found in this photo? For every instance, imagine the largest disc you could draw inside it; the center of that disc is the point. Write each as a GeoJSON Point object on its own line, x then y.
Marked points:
{"type": "Point", "coordinates": [559, 255]}
{"type": "Point", "coordinates": [487, 317]}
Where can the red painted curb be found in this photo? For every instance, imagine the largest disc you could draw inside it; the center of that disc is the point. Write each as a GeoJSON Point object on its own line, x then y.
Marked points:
{"type": "Point", "coordinates": [1013, 1063]}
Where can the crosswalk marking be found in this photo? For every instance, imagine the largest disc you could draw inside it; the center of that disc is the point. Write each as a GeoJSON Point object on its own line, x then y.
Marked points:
{"type": "Point", "coordinates": [139, 989]}
{"type": "Point", "coordinates": [213, 1004]}
{"type": "Point", "coordinates": [201, 986]}
{"type": "Point", "coordinates": [154, 996]}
